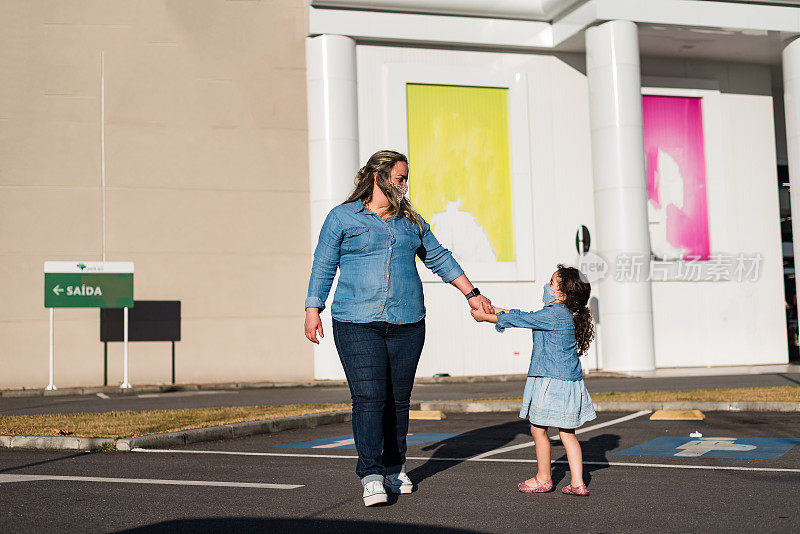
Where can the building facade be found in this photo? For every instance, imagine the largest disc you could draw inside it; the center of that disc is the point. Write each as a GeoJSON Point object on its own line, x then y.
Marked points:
{"type": "Point", "coordinates": [648, 136]}
{"type": "Point", "coordinates": [658, 126]}
{"type": "Point", "coordinates": [206, 183]}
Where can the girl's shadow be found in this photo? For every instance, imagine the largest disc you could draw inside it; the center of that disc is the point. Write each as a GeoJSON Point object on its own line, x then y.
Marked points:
{"type": "Point", "coordinates": [453, 451]}
{"type": "Point", "coordinates": [594, 450]}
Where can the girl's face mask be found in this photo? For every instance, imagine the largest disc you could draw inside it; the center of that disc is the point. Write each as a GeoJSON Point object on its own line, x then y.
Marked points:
{"type": "Point", "coordinates": [549, 294]}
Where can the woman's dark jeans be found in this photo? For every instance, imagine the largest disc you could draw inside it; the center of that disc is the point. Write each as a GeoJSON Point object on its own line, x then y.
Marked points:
{"type": "Point", "coordinates": [380, 361]}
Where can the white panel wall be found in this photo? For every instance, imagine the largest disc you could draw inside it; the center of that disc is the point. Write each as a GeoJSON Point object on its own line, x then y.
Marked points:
{"type": "Point", "coordinates": [696, 323]}
{"type": "Point", "coordinates": [561, 200]}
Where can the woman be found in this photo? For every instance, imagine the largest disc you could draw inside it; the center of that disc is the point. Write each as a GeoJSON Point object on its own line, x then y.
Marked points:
{"type": "Point", "coordinates": [378, 311]}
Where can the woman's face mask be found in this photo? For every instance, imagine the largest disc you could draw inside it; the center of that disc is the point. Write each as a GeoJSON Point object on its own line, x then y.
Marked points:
{"type": "Point", "coordinates": [398, 181]}
{"type": "Point", "coordinates": [399, 190]}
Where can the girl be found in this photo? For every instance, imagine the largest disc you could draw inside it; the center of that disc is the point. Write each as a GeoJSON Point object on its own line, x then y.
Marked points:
{"type": "Point", "coordinates": [555, 394]}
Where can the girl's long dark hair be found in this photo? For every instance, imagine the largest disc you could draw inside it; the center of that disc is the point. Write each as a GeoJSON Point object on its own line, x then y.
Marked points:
{"type": "Point", "coordinates": [380, 165]}
{"type": "Point", "coordinates": [577, 296]}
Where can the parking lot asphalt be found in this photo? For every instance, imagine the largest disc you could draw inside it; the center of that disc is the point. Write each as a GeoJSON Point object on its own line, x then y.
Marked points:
{"type": "Point", "coordinates": [464, 484]}
{"type": "Point", "coordinates": [302, 395]}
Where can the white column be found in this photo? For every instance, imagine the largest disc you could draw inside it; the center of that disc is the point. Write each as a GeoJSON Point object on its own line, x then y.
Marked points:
{"type": "Point", "coordinates": [332, 151]}
{"type": "Point", "coordinates": [620, 193]}
{"type": "Point", "coordinates": [332, 124]}
{"type": "Point", "coordinates": [791, 100]}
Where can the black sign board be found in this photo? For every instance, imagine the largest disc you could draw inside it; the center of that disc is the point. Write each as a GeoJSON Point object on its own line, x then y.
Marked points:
{"type": "Point", "coordinates": [148, 320]}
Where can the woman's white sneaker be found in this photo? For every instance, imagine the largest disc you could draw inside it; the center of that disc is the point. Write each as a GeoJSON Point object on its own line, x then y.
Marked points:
{"type": "Point", "coordinates": [374, 493]}
{"type": "Point", "coordinates": [398, 483]}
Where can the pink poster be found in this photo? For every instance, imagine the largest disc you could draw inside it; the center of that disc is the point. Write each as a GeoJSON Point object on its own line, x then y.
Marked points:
{"type": "Point", "coordinates": [676, 177]}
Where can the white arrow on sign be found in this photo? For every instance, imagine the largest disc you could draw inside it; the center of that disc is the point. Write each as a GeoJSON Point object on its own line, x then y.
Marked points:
{"type": "Point", "coordinates": [58, 290]}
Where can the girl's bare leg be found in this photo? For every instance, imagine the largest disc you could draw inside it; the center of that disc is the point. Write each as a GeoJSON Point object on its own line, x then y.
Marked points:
{"type": "Point", "coordinates": [574, 455]}
{"type": "Point", "coordinates": [542, 443]}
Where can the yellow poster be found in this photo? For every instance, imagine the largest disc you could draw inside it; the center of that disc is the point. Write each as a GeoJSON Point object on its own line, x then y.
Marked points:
{"type": "Point", "coordinates": [458, 139]}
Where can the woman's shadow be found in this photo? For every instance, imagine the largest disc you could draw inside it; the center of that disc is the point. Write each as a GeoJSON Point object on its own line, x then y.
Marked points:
{"type": "Point", "coordinates": [453, 451]}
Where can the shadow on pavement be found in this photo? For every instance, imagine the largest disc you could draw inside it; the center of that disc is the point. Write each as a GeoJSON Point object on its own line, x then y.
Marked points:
{"type": "Point", "coordinates": [467, 444]}
{"type": "Point", "coordinates": [255, 524]}
{"type": "Point", "coordinates": [789, 378]}
{"type": "Point", "coordinates": [48, 461]}
{"type": "Point", "coordinates": [594, 450]}
{"type": "Point", "coordinates": [453, 451]}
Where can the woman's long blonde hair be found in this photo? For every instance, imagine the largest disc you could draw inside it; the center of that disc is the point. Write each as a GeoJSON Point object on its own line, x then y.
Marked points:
{"type": "Point", "coordinates": [380, 164]}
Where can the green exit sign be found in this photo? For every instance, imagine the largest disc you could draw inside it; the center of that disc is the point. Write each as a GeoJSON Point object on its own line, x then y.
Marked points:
{"type": "Point", "coordinates": [88, 284]}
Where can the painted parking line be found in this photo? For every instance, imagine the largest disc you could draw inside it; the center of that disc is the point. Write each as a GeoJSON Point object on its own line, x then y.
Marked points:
{"type": "Point", "coordinates": [711, 447]}
{"type": "Point", "coordinates": [34, 478]}
{"type": "Point", "coordinates": [472, 459]}
{"type": "Point", "coordinates": [501, 450]}
{"type": "Point", "coordinates": [103, 396]}
{"type": "Point", "coordinates": [348, 442]}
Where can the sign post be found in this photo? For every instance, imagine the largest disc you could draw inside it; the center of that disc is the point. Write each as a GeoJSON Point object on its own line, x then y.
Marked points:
{"type": "Point", "coordinates": [125, 383]}
{"type": "Point", "coordinates": [78, 284]}
{"type": "Point", "coordinates": [51, 386]}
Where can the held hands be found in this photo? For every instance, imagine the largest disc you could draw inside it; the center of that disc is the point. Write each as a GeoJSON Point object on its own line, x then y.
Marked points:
{"type": "Point", "coordinates": [480, 302]}
{"type": "Point", "coordinates": [313, 325]}
{"type": "Point", "coordinates": [482, 309]}
{"type": "Point", "coordinates": [481, 315]}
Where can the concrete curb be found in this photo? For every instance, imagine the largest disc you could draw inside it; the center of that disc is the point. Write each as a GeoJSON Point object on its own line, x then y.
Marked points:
{"type": "Point", "coordinates": [471, 406]}
{"type": "Point", "coordinates": [620, 406]}
{"type": "Point", "coordinates": [171, 439]}
{"type": "Point", "coordinates": [72, 443]}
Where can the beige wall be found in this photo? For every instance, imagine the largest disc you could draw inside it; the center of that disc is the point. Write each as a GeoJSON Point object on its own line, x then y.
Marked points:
{"type": "Point", "coordinates": [206, 150]}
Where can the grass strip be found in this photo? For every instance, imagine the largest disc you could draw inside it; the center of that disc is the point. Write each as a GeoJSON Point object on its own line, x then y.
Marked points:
{"type": "Point", "coordinates": [779, 393]}
{"type": "Point", "coordinates": [129, 423]}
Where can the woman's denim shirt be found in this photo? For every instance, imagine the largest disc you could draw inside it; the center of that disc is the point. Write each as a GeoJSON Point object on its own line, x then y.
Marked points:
{"type": "Point", "coordinates": [555, 351]}
{"type": "Point", "coordinates": [378, 278]}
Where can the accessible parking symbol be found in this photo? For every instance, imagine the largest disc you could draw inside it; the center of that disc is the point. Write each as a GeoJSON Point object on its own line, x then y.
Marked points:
{"type": "Point", "coordinates": [732, 448]}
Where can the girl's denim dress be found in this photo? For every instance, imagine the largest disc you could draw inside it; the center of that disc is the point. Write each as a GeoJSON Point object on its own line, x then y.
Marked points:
{"type": "Point", "coordinates": [555, 394]}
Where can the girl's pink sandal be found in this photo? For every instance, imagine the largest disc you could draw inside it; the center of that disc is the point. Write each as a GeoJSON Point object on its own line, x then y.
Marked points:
{"type": "Point", "coordinates": [538, 487]}
{"type": "Point", "coordinates": [581, 490]}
